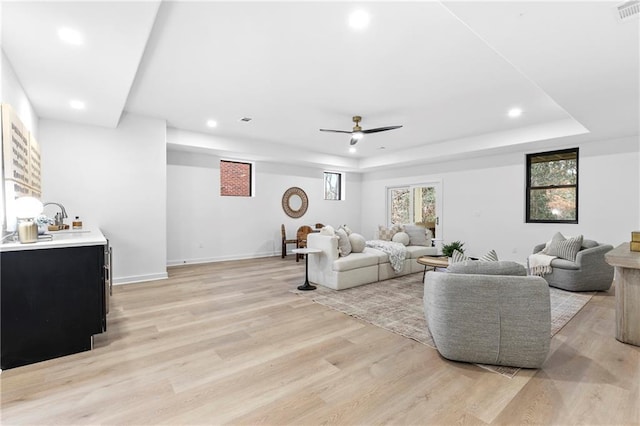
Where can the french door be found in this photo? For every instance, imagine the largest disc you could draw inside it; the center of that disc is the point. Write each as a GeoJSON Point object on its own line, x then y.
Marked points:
{"type": "Point", "coordinates": [419, 203]}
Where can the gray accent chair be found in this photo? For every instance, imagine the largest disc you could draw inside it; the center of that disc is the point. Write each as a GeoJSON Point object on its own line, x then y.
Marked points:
{"type": "Point", "coordinates": [489, 319]}
{"type": "Point", "coordinates": [590, 272]}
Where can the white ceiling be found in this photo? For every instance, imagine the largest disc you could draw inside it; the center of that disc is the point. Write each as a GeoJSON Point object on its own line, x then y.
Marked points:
{"type": "Point", "coordinates": [447, 71]}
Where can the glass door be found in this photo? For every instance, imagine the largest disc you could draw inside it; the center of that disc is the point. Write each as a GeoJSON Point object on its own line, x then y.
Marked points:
{"type": "Point", "coordinates": [419, 203]}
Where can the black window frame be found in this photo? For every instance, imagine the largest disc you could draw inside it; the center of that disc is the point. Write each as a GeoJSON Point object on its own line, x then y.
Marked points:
{"type": "Point", "coordinates": [529, 188]}
{"type": "Point", "coordinates": [339, 186]}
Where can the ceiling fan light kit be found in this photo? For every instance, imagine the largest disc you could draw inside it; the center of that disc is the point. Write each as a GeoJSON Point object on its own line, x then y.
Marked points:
{"type": "Point", "coordinates": [358, 132]}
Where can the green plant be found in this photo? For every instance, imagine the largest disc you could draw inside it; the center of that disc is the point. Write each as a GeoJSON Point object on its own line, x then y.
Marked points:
{"type": "Point", "coordinates": [448, 249]}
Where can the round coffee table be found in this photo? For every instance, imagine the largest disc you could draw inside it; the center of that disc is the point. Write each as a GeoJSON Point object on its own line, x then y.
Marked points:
{"type": "Point", "coordinates": [433, 262]}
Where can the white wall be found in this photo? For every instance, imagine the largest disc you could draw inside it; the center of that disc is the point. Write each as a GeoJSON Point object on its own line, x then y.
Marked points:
{"type": "Point", "coordinates": [12, 93]}
{"type": "Point", "coordinates": [202, 226]}
{"type": "Point", "coordinates": [484, 199]}
{"type": "Point", "coordinates": [114, 179]}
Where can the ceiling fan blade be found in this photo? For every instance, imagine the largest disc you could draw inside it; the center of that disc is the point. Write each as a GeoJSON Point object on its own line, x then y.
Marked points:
{"type": "Point", "coordinates": [336, 131]}
{"type": "Point", "coordinates": [353, 141]}
{"type": "Point", "coordinates": [380, 129]}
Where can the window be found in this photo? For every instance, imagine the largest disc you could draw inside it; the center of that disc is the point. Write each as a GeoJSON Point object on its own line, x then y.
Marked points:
{"type": "Point", "coordinates": [552, 187]}
{"type": "Point", "coordinates": [235, 178]}
{"type": "Point", "coordinates": [332, 186]}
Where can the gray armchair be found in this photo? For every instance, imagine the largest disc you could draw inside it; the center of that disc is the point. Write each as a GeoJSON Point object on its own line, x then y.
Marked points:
{"type": "Point", "coordinates": [589, 272]}
{"type": "Point", "coordinates": [489, 319]}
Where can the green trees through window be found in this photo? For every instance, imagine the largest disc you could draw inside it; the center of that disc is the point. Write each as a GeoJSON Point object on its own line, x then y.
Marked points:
{"type": "Point", "coordinates": [552, 187]}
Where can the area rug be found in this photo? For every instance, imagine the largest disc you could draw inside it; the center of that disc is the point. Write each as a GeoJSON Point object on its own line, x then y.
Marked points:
{"type": "Point", "coordinates": [396, 305]}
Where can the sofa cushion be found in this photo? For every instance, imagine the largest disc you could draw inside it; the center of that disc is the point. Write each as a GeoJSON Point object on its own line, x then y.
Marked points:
{"type": "Point", "coordinates": [356, 260]}
{"type": "Point", "coordinates": [417, 235]}
{"type": "Point", "coordinates": [401, 237]}
{"type": "Point", "coordinates": [457, 256]}
{"type": "Point", "coordinates": [328, 230]}
{"type": "Point", "coordinates": [476, 267]}
{"type": "Point", "coordinates": [385, 234]}
{"type": "Point", "coordinates": [563, 247]}
{"type": "Point", "coordinates": [414, 252]}
{"type": "Point", "coordinates": [564, 264]}
{"type": "Point", "coordinates": [357, 242]}
{"type": "Point", "coordinates": [491, 256]}
{"type": "Point", "coordinates": [344, 245]}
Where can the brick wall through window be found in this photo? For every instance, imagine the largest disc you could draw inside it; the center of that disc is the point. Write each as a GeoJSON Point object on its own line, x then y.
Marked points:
{"type": "Point", "coordinates": [235, 179]}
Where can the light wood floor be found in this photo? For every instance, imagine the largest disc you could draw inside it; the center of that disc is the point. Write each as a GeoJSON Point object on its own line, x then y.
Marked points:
{"type": "Point", "coordinates": [228, 343]}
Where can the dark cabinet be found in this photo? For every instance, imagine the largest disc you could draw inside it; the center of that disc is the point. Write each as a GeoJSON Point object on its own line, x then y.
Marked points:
{"type": "Point", "coordinates": [52, 302]}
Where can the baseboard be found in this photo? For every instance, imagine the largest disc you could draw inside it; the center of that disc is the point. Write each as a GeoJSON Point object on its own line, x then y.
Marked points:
{"type": "Point", "coordinates": [140, 278]}
{"type": "Point", "coordinates": [220, 258]}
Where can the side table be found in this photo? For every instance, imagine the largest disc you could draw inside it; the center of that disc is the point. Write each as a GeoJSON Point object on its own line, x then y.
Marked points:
{"type": "Point", "coordinates": [627, 290]}
{"type": "Point", "coordinates": [306, 252]}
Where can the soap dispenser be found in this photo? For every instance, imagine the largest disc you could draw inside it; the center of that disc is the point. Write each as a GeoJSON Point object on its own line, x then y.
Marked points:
{"type": "Point", "coordinates": [77, 223]}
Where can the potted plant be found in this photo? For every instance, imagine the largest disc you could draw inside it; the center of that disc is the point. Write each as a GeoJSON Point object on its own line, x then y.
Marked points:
{"type": "Point", "coordinates": [447, 249]}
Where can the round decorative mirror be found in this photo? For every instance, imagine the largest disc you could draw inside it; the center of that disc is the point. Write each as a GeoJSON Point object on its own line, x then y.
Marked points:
{"type": "Point", "coordinates": [295, 202]}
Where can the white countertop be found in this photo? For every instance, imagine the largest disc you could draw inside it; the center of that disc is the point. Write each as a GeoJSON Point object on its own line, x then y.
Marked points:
{"type": "Point", "coordinates": [61, 239]}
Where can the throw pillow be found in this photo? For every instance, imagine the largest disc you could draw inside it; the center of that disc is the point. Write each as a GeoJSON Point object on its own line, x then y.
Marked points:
{"type": "Point", "coordinates": [346, 229]}
{"type": "Point", "coordinates": [386, 234]}
{"type": "Point", "coordinates": [358, 243]}
{"type": "Point", "coordinates": [344, 245]}
{"type": "Point", "coordinates": [328, 230]}
{"type": "Point", "coordinates": [401, 237]}
{"type": "Point", "coordinates": [417, 235]}
{"type": "Point", "coordinates": [457, 256]}
{"type": "Point", "coordinates": [564, 248]}
{"type": "Point", "coordinates": [491, 256]}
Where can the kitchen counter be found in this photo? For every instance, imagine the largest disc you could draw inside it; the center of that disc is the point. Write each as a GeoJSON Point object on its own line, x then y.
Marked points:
{"type": "Point", "coordinates": [60, 239]}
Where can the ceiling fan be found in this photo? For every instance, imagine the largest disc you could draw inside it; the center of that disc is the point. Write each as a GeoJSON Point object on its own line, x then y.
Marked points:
{"type": "Point", "coordinates": [358, 132]}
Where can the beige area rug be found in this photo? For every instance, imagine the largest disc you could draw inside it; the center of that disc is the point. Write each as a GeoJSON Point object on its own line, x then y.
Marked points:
{"type": "Point", "coordinates": [396, 305]}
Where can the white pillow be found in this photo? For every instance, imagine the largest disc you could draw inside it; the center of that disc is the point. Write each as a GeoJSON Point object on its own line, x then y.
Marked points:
{"type": "Point", "coordinates": [344, 245]}
{"type": "Point", "coordinates": [328, 230]}
{"type": "Point", "coordinates": [346, 229]}
{"type": "Point", "coordinates": [401, 237]}
{"type": "Point", "coordinates": [358, 243]}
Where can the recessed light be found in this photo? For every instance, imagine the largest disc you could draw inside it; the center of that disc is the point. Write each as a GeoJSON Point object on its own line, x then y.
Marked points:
{"type": "Point", "coordinates": [75, 104]}
{"type": "Point", "coordinates": [71, 36]}
{"type": "Point", "coordinates": [515, 112]}
{"type": "Point", "coordinates": [352, 149]}
{"type": "Point", "coordinates": [359, 20]}
{"type": "Point", "coordinates": [212, 123]}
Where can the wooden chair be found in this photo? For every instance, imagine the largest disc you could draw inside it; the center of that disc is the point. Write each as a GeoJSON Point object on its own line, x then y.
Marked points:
{"type": "Point", "coordinates": [301, 240]}
{"type": "Point", "coordinates": [285, 241]}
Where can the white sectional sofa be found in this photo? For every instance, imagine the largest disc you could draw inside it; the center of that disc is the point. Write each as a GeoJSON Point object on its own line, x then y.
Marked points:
{"type": "Point", "coordinates": [331, 270]}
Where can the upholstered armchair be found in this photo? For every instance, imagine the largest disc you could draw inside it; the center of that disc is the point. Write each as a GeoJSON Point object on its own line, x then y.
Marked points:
{"type": "Point", "coordinates": [489, 319]}
{"type": "Point", "coordinates": [589, 272]}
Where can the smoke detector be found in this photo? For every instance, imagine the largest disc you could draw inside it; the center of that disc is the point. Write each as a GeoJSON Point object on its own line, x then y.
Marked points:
{"type": "Point", "coordinates": [628, 10]}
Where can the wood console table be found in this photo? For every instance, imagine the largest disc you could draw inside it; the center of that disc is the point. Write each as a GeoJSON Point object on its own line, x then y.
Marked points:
{"type": "Point", "coordinates": [627, 284]}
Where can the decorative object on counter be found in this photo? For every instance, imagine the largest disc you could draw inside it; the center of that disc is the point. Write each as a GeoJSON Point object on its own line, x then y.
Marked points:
{"type": "Point", "coordinates": [635, 241]}
{"type": "Point", "coordinates": [27, 209]}
{"type": "Point", "coordinates": [77, 223]}
{"type": "Point", "coordinates": [43, 223]}
{"type": "Point", "coordinates": [295, 202]}
{"type": "Point", "coordinates": [448, 249]}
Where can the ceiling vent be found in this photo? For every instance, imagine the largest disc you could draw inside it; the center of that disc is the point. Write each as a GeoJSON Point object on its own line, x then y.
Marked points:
{"type": "Point", "coordinates": [629, 10]}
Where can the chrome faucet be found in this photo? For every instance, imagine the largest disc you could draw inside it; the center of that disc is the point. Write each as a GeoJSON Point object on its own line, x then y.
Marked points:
{"type": "Point", "coordinates": [59, 216]}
